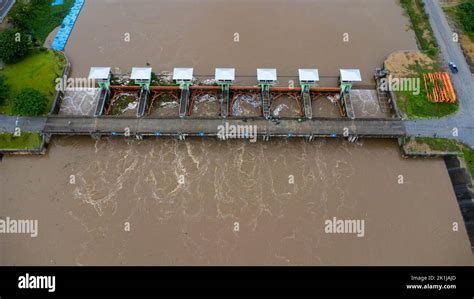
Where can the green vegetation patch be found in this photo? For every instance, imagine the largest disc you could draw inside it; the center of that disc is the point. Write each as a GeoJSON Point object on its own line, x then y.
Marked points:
{"type": "Point", "coordinates": [464, 13]}
{"type": "Point", "coordinates": [469, 158]}
{"type": "Point", "coordinates": [4, 89]}
{"type": "Point", "coordinates": [25, 141]}
{"type": "Point", "coordinates": [415, 9]}
{"type": "Point", "coordinates": [418, 105]}
{"type": "Point", "coordinates": [14, 45]}
{"type": "Point", "coordinates": [38, 17]}
{"type": "Point", "coordinates": [38, 70]}
{"type": "Point", "coordinates": [30, 102]}
{"type": "Point", "coordinates": [439, 146]}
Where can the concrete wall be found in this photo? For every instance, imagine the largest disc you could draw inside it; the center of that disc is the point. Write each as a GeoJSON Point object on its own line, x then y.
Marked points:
{"type": "Point", "coordinates": [462, 185]}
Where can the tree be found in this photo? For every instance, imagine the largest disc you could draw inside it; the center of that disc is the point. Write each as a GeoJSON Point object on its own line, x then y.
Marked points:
{"type": "Point", "coordinates": [465, 15]}
{"type": "Point", "coordinates": [21, 15]}
{"type": "Point", "coordinates": [14, 45]}
{"type": "Point", "coordinates": [37, 18]}
{"type": "Point", "coordinates": [4, 89]}
{"type": "Point", "coordinates": [30, 102]}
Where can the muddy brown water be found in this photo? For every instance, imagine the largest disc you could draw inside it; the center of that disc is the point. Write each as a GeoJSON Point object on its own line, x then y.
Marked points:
{"type": "Point", "coordinates": [183, 200]}
{"type": "Point", "coordinates": [285, 107]}
{"type": "Point", "coordinates": [206, 106]}
{"type": "Point", "coordinates": [323, 107]}
{"type": "Point", "coordinates": [245, 34]}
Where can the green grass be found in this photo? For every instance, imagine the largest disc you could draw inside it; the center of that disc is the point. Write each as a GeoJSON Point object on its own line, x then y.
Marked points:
{"type": "Point", "coordinates": [50, 18]}
{"type": "Point", "coordinates": [25, 141]}
{"type": "Point", "coordinates": [38, 70]}
{"type": "Point", "coordinates": [469, 158]}
{"type": "Point", "coordinates": [440, 144]}
{"type": "Point", "coordinates": [415, 10]}
{"type": "Point", "coordinates": [464, 14]}
{"type": "Point", "coordinates": [418, 106]}
{"type": "Point", "coordinates": [448, 146]}
{"type": "Point", "coordinates": [453, 13]}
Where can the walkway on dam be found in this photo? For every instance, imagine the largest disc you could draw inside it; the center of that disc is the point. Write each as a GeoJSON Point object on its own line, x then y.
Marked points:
{"type": "Point", "coordinates": [463, 82]}
{"type": "Point", "coordinates": [26, 124]}
{"type": "Point", "coordinates": [210, 127]}
{"type": "Point", "coordinates": [57, 125]}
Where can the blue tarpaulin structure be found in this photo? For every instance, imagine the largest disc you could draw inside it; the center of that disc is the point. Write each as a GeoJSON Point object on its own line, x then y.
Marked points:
{"type": "Point", "coordinates": [62, 36]}
{"type": "Point", "coordinates": [57, 2]}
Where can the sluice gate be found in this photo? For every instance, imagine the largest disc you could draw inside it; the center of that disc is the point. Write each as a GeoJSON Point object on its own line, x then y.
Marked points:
{"type": "Point", "coordinates": [348, 107]}
{"type": "Point", "coordinates": [308, 109]}
{"type": "Point", "coordinates": [224, 77]}
{"type": "Point", "coordinates": [308, 78]}
{"type": "Point", "coordinates": [134, 110]}
{"type": "Point", "coordinates": [346, 78]}
{"type": "Point", "coordinates": [266, 78]}
{"type": "Point", "coordinates": [264, 99]}
{"type": "Point", "coordinates": [183, 77]}
{"type": "Point", "coordinates": [143, 102]}
{"type": "Point", "coordinates": [266, 102]}
{"type": "Point", "coordinates": [104, 97]}
{"type": "Point", "coordinates": [225, 102]}
{"type": "Point", "coordinates": [184, 103]}
{"type": "Point", "coordinates": [187, 98]}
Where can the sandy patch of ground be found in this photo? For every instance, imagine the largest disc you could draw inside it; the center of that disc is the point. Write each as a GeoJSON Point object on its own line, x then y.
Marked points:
{"type": "Point", "coordinates": [49, 40]}
{"type": "Point", "coordinates": [398, 63]}
{"type": "Point", "coordinates": [5, 25]}
{"type": "Point", "coordinates": [414, 146]}
{"type": "Point", "coordinates": [468, 47]}
{"type": "Point", "coordinates": [450, 3]}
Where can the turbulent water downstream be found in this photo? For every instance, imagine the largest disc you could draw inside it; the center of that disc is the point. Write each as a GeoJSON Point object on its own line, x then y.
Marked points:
{"type": "Point", "coordinates": [207, 202]}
